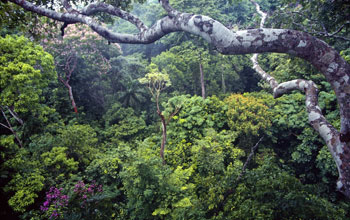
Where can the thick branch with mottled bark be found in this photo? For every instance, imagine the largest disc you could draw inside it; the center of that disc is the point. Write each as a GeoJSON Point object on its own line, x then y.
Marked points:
{"type": "Point", "coordinates": [329, 134]}
{"type": "Point", "coordinates": [318, 53]}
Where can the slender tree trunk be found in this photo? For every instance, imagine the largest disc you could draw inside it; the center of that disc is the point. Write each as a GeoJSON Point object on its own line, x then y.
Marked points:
{"type": "Point", "coordinates": [71, 97]}
{"type": "Point", "coordinates": [160, 114]}
{"type": "Point", "coordinates": [202, 79]}
{"type": "Point", "coordinates": [70, 92]}
{"type": "Point", "coordinates": [223, 82]}
{"type": "Point", "coordinates": [70, 66]}
{"type": "Point", "coordinates": [162, 147]}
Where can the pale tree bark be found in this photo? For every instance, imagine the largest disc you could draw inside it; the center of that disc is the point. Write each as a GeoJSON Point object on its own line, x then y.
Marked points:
{"type": "Point", "coordinates": [202, 79]}
{"type": "Point", "coordinates": [155, 87]}
{"type": "Point", "coordinates": [164, 126]}
{"type": "Point", "coordinates": [162, 118]}
{"type": "Point", "coordinates": [223, 83]}
{"type": "Point", "coordinates": [300, 44]}
{"type": "Point", "coordinates": [69, 68]}
{"type": "Point", "coordinates": [329, 134]}
{"type": "Point", "coordinates": [201, 73]}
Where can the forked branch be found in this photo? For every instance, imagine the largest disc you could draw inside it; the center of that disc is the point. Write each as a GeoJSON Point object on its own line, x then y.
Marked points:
{"type": "Point", "coordinates": [329, 134]}
{"type": "Point", "coordinates": [323, 57]}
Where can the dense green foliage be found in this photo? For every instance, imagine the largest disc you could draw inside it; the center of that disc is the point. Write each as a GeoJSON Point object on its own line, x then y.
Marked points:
{"type": "Point", "coordinates": [22, 81]}
{"type": "Point", "coordinates": [103, 162]}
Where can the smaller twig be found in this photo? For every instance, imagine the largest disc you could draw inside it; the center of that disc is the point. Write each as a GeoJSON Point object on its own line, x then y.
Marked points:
{"type": "Point", "coordinates": [173, 114]}
{"type": "Point", "coordinates": [232, 190]}
{"type": "Point", "coordinates": [167, 7]}
{"type": "Point", "coordinates": [10, 128]}
{"type": "Point", "coordinates": [310, 28]}
{"type": "Point", "coordinates": [63, 27]}
{"type": "Point", "coordinates": [94, 8]}
{"type": "Point", "coordinates": [250, 156]}
{"type": "Point", "coordinates": [15, 115]}
{"type": "Point", "coordinates": [67, 5]}
{"type": "Point", "coordinates": [5, 126]}
{"type": "Point", "coordinates": [339, 29]}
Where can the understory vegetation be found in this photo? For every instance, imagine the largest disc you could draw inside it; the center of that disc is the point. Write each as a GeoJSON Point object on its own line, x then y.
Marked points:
{"type": "Point", "coordinates": [82, 122]}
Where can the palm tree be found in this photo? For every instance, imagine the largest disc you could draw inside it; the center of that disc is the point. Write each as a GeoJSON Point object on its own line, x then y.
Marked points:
{"type": "Point", "coordinates": [132, 94]}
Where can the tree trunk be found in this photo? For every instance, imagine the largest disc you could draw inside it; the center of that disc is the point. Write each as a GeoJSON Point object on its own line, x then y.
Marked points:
{"type": "Point", "coordinates": [223, 82]}
{"type": "Point", "coordinates": [160, 114]}
{"type": "Point", "coordinates": [70, 66]}
{"type": "Point", "coordinates": [70, 92]}
{"type": "Point", "coordinates": [202, 80]}
{"type": "Point", "coordinates": [71, 97]}
{"type": "Point", "coordinates": [323, 57]}
{"type": "Point", "coordinates": [162, 147]}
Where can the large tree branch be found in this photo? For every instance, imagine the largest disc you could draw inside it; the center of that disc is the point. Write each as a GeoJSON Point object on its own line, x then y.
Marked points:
{"type": "Point", "coordinates": [167, 7]}
{"type": "Point", "coordinates": [329, 134]}
{"type": "Point", "coordinates": [73, 16]}
{"type": "Point", "coordinates": [316, 119]}
{"type": "Point", "coordinates": [93, 8]}
{"type": "Point", "coordinates": [317, 52]}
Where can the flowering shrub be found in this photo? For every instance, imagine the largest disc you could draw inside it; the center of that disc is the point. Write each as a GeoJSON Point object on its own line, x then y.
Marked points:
{"type": "Point", "coordinates": [56, 203]}
{"type": "Point", "coordinates": [84, 192]}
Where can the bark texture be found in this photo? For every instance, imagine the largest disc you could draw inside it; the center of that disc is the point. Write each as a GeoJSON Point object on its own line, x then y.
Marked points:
{"type": "Point", "coordinates": [202, 80]}
{"type": "Point", "coordinates": [164, 124]}
{"type": "Point", "coordinates": [318, 53]}
{"type": "Point", "coordinates": [69, 67]}
{"type": "Point", "coordinates": [329, 134]}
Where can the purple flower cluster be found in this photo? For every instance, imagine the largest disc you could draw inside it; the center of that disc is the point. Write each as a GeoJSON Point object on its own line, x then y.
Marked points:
{"type": "Point", "coordinates": [85, 191]}
{"type": "Point", "coordinates": [57, 200]}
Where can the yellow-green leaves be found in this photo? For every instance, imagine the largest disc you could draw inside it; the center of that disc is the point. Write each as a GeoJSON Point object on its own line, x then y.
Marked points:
{"type": "Point", "coordinates": [249, 117]}
{"type": "Point", "coordinates": [25, 69]}
{"type": "Point", "coordinates": [346, 54]}
{"type": "Point", "coordinates": [155, 80]}
{"type": "Point", "coordinates": [26, 188]}
{"type": "Point", "coordinates": [247, 114]}
{"type": "Point", "coordinates": [57, 160]}
{"type": "Point", "coordinates": [80, 142]}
